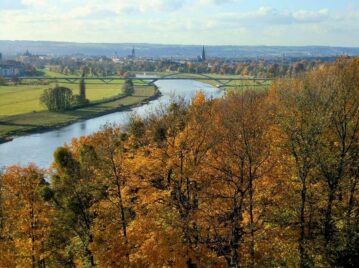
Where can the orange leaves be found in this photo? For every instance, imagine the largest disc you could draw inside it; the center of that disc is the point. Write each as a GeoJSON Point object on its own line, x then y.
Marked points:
{"type": "Point", "coordinates": [199, 99]}
{"type": "Point", "coordinates": [26, 221]}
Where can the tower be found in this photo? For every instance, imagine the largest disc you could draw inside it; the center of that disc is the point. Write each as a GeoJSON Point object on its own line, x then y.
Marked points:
{"type": "Point", "coordinates": [203, 54]}
{"type": "Point", "coordinates": [133, 55]}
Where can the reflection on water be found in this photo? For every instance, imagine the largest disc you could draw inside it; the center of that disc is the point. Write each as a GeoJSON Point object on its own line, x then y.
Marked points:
{"type": "Point", "coordinates": [38, 148]}
{"type": "Point", "coordinates": [83, 125]}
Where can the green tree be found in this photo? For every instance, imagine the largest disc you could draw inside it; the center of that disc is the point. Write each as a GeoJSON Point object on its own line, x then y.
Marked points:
{"type": "Point", "coordinates": [73, 194]}
{"type": "Point", "coordinates": [57, 99]}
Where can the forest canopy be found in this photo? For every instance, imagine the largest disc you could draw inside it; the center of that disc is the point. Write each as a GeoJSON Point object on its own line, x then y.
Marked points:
{"type": "Point", "coordinates": [255, 179]}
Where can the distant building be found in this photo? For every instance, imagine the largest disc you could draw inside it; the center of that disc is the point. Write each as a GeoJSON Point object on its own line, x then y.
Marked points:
{"type": "Point", "coordinates": [27, 54]}
{"type": "Point", "coordinates": [202, 58]}
{"type": "Point", "coordinates": [133, 54]}
{"type": "Point", "coordinates": [116, 59]}
{"type": "Point", "coordinates": [11, 68]}
{"type": "Point", "coordinates": [30, 58]}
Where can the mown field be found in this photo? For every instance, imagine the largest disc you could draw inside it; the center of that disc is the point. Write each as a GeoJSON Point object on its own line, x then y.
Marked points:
{"type": "Point", "coordinates": [24, 98]}
{"type": "Point", "coordinates": [33, 121]}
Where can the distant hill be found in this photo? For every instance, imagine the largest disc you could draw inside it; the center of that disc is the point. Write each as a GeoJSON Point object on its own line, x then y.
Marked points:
{"type": "Point", "coordinates": [12, 48]}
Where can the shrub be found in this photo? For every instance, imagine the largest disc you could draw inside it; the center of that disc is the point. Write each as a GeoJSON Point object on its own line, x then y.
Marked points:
{"type": "Point", "coordinates": [2, 81]}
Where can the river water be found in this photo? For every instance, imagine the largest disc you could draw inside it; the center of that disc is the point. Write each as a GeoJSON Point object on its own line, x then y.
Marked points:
{"type": "Point", "coordinates": [38, 148]}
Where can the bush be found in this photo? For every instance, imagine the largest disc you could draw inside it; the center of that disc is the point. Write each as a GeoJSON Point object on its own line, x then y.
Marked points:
{"type": "Point", "coordinates": [2, 81]}
{"type": "Point", "coordinates": [78, 101]}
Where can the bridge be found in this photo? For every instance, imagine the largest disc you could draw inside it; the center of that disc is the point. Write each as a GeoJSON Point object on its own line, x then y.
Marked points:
{"type": "Point", "coordinates": [151, 80]}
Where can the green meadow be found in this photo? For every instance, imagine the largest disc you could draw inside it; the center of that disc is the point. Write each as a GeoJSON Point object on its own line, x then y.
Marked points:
{"type": "Point", "coordinates": [24, 98]}
{"type": "Point", "coordinates": [18, 124]}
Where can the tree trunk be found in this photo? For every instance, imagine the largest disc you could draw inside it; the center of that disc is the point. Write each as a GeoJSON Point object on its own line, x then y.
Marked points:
{"type": "Point", "coordinates": [328, 224]}
{"type": "Point", "coordinates": [302, 254]}
{"type": "Point", "coordinates": [89, 252]}
{"type": "Point", "coordinates": [350, 210]}
{"type": "Point", "coordinates": [251, 205]}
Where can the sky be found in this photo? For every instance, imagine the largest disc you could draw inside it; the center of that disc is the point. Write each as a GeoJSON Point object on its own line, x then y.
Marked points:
{"type": "Point", "coordinates": [209, 22]}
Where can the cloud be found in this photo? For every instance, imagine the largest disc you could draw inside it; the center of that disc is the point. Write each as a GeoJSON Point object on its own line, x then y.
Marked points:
{"type": "Point", "coordinates": [11, 5]}
{"type": "Point", "coordinates": [218, 2]}
{"type": "Point", "coordinates": [176, 21]}
{"type": "Point", "coordinates": [311, 16]}
{"type": "Point", "coordinates": [140, 6]}
{"type": "Point", "coordinates": [35, 3]}
{"type": "Point", "coordinates": [272, 16]}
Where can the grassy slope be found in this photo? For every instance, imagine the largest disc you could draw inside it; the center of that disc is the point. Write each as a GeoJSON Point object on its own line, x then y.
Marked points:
{"type": "Point", "coordinates": [25, 123]}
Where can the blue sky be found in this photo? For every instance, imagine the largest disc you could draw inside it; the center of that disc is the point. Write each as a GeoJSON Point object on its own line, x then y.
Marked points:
{"type": "Point", "coordinates": [210, 22]}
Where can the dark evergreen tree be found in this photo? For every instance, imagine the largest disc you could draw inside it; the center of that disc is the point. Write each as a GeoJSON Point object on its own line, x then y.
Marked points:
{"type": "Point", "coordinates": [128, 88]}
{"type": "Point", "coordinates": [82, 98]}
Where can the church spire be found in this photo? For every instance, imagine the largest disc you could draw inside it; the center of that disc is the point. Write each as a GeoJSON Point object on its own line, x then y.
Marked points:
{"type": "Point", "coordinates": [203, 54]}
{"type": "Point", "coordinates": [133, 52]}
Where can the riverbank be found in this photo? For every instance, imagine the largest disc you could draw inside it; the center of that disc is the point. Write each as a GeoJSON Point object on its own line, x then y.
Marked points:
{"type": "Point", "coordinates": [36, 122]}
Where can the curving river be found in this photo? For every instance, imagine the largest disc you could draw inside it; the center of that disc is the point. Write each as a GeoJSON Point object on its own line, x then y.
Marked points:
{"type": "Point", "coordinates": [38, 148]}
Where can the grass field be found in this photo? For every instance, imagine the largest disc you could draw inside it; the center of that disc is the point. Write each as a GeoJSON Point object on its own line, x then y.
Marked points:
{"type": "Point", "coordinates": [36, 121]}
{"type": "Point", "coordinates": [24, 98]}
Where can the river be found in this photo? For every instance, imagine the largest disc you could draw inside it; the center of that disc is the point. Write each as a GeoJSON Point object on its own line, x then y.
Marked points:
{"type": "Point", "coordinates": [38, 148]}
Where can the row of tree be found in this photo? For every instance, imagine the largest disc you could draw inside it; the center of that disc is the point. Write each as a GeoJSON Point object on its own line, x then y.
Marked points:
{"type": "Point", "coordinates": [258, 179]}
{"type": "Point", "coordinates": [273, 68]}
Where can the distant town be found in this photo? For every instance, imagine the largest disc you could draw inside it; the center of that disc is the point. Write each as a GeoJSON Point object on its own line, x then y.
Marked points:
{"type": "Point", "coordinates": [28, 63]}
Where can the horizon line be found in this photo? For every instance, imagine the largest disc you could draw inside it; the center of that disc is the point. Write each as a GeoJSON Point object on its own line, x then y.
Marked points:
{"type": "Point", "coordinates": [175, 44]}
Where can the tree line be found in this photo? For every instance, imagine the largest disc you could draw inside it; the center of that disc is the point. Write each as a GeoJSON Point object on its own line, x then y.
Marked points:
{"type": "Point", "coordinates": [258, 68]}
{"type": "Point", "coordinates": [255, 179]}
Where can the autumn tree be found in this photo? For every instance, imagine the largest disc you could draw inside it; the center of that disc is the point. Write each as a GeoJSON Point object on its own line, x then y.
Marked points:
{"type": "Point", "coordinates": [339, 142]}
{"type": "Point", "coordinates": [113, 211]}
{"type": "Point", "coordinates": [25, 217]}
{"type": "Point", "coordinates": [318, 114]}
{"type": "Point", "coordinates": [302, 116]}
{"type": "Point", "coordinates": [239, 157]}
